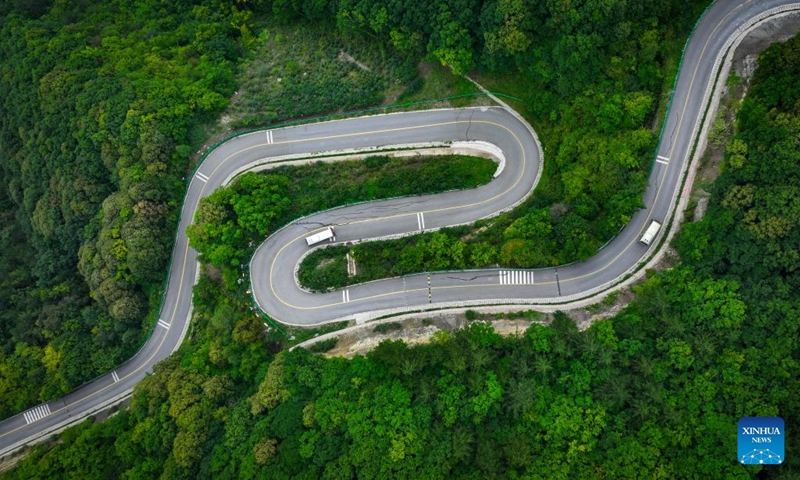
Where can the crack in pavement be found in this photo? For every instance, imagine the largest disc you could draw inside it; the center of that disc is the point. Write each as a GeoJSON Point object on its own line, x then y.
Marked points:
{"type": "Point", "coordinates": [312, 224]}
{"type": "Point", "coordinates": [674, 129]}
{"type": "Point", "coordinates": [558, 283]}
{"type": "Point", "coordinates": [469, 125]}
{"type": "Point", "coordinates": [470, 279]}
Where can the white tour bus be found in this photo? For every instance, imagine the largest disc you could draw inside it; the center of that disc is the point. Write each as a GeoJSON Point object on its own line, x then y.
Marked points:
{"type": "Point", "coordinates": [327, 234]}
{"type": "Point", "coordinates": [651, 232]}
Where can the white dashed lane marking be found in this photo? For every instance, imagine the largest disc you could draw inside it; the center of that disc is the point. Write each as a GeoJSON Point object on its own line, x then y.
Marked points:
{"type": "Point", "coordinates": [36, 413]}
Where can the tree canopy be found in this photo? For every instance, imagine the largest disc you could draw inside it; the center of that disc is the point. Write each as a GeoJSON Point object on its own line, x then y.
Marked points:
{"type": "Point", "coordinates": [105, 102]}
{"type": "Point", "coordinates": [653, 392]}
{"type": "Point", "coordinates": [99, 104]}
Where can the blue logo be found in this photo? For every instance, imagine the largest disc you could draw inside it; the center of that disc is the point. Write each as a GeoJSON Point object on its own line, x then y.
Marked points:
{"type": "Point", "coordinates": [761, 441]}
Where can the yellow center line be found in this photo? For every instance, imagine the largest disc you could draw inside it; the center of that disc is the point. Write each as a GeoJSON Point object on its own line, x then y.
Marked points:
{"type": "Point", "coordinates": [669, 155]}
{"type": "Point", "coordinates": [186, 251]}
{"type": "Point", "coordinates": [186, 254]}
{"type": "Point", "coordinates": [567, 280]}
{"type": "Point", "coordinates": [436, 210]}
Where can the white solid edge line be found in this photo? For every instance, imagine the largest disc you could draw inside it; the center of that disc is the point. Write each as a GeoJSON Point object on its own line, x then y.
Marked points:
{"type": "Point", "coordinates": [770, 11]}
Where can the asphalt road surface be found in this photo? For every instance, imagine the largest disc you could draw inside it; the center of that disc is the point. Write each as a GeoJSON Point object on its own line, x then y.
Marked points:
{"type": "Point", "coordinates": [272, 268]}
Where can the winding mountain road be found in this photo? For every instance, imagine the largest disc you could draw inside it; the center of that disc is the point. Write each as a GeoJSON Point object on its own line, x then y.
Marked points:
{"type": "Point", "coordinates": [272, 267]}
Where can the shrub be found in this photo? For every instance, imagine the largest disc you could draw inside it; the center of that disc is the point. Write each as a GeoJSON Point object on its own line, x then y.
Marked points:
{"type": "Point", "coordinates": [387, 327]}
{"type": "Point", "coordinates": [323, 346]}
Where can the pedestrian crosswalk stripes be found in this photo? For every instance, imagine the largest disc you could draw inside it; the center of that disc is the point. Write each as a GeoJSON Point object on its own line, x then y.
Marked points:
{"type": "Point", "coordinates": [36, 413]}
{"type": "Point", "coordinates": [516, 277]}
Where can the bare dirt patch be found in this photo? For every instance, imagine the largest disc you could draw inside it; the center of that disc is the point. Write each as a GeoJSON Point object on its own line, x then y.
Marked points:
{"type": "Point", "coordinates": [511, 327]}
{"type": "Point", "coordinates": [214, 273]}
{"type": "Point", "coordinates": [412, 329]}
{"type": "Point", "coordinates": [364, 339]}
{"type": "Point", "coordinates": [7, 463]}
{"type": "Point", "coordinates": [745, 62]}
{"type": "Point", "coordinates": [346, 57]}
{"type": "Point", "coordinates": [420, 328]}
{"type": "Point", "coordinates": [324, 263]}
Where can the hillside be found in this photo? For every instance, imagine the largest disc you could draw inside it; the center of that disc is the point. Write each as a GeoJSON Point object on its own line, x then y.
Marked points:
{"type": "Point", "coordinates": [654, 392]}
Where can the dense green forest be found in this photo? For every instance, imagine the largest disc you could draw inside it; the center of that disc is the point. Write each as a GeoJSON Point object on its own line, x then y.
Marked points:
{"type": "Point", "coordinates": [99, 103]}
{"type": "Point", "coordinates": [654, 392]}
{"type": "Point", "coordinates": [598, 123]}
{"type": "Point", "coordinates": [591, 76]}
{"type": "Point", "coordinates": [104, 104]}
